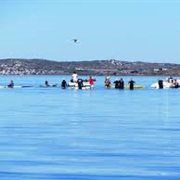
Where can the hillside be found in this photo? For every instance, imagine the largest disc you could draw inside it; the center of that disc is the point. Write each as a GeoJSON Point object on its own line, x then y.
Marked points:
{"type": "Point", "coordinates": [95, 67]}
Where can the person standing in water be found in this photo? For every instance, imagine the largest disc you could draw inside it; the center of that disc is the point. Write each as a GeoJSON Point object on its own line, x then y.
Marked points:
{"type": "Point", "coordinates": [176, 84]}
{"type": "Point", "coordinates": [116, 82]}
{"type": "Point", "coordinates": [121, 84]}
{"type": "Point", "coordinates": [63, 84]}
{"type": "Point", "coordinates": [80, 83]}
{"type": "Point", "coordinates": [131, 84]}
{"type": "Point", "coordinates": [91, 82]}
{"type": "Point", "coordinates": [107, 82]}
{"type": "Point", "coordinates": [74, 77]}
{"type": "Point", "coordinates": [160, 83]}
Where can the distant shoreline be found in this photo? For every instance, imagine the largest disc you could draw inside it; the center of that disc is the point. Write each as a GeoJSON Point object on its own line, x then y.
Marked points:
{"type": "Point", "coordinates": [94, 67]}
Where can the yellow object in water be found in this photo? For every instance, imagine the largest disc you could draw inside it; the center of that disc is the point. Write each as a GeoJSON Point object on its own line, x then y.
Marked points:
{"type": "Point", "coordinates": [135, 86]}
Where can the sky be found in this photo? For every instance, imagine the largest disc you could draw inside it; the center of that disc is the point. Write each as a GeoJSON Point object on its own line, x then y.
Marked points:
{"type": "Point", "coordinates": [146, 31]}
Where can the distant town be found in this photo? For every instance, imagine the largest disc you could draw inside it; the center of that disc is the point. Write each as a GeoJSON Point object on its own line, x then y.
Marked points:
{"type": "Point", "coordinates": [93, 67]}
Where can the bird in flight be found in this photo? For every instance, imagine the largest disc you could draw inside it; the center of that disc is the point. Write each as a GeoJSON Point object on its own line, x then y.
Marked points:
{"type": "Point", "coordinates": [75, 40]}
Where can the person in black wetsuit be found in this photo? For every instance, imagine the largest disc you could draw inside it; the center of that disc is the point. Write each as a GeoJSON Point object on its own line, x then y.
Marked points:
{"type": "Point", "coordinates": [121, 84]}
{"type": "Point", "coordinates": [176, 84]}
{"type": "Point", "coordinates": [160, 83]}
{"type": "Point", "coordinates": [63, 84]}
{"type": "Point", "coordinates": [80, 83]}
{"type": "Point", "coordinates": [131, 84]}
{"type": "Point", "coordinates": [116, 82]}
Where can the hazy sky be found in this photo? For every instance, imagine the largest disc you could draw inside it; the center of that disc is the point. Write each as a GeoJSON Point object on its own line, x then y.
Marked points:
{"type": "Point", "coordinates": [121, 30]}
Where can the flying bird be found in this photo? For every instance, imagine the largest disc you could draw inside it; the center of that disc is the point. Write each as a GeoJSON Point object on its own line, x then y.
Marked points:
{"type": "Point", "coordinates": [75, 40]}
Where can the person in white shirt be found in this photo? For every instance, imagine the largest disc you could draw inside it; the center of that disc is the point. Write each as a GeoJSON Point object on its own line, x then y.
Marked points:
{"type": "Point", "coordinates": [74, 77]}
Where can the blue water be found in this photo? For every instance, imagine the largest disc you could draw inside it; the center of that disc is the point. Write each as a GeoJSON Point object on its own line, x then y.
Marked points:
{"type": "Point", "coordinates": [50, 133]}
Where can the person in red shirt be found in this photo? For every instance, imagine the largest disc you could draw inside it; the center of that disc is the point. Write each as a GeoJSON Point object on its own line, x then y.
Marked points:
{"type": "Point", "coordinates": [91, 82]}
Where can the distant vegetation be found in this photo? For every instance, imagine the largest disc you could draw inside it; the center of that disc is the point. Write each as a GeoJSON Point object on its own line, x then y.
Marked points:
{"type": "Point", "coordinates": [95, 67]}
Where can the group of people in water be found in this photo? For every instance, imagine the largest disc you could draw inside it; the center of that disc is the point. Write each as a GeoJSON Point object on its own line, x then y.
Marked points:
{"type": "Point", "coordinates": [75, 81]}
{"type": "Point", "coordinates": [118, 84]}
{"type": "Point", "coordinates": [80, 83]}
{"type": "Point", "coordinates": [172, 82]}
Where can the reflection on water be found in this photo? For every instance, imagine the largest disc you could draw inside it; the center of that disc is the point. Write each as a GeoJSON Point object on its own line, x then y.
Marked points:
{"type": "Point", "coordinates": [89, 134]}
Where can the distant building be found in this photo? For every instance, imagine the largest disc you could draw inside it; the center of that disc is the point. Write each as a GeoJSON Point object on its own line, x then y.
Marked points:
{"type": "Point", "coordinates": [156, 70]}
{"type": "Point", "coordinates": [160, 69]}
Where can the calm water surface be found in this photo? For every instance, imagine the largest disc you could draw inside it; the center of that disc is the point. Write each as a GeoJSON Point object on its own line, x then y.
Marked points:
{"type": "Point", "coordinates": [49, 133]}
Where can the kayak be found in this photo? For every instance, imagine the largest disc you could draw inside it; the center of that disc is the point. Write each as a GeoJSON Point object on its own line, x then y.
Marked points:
{"type": "Point", "coordinates": [127, 87]}
{"type": "Point", "coordinates": [137, 86]}
{"type": "Point", "coordinates": [25, 86]}
{"type": "Point", "coordinates": [49, 86]}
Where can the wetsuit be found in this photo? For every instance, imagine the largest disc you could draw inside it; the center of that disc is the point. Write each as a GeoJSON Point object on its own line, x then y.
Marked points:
{"type": "Point", "coordinates": [160, 82]}
{"type": "Point", "coordinates": [121, 84]}
{"type": "Point", "coordinates": [131, 84]}
{"type": "Point", "coordinates": [63, 84]}
{"type": "Point", "coordinates": [80, 83]}
{"type": "Point", "coordinates": [116, 84]}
